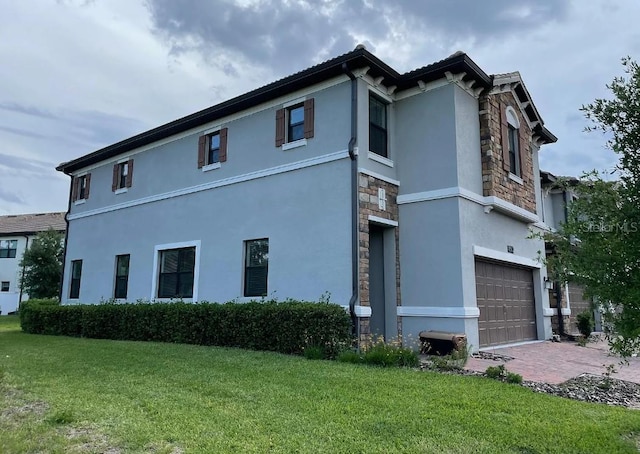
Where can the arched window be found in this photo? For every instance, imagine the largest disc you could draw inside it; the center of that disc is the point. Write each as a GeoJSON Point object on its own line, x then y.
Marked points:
{"type": "Point", "coordinates": [512, 140]}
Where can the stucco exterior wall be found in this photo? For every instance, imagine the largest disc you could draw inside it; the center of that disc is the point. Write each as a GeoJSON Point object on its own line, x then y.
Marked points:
{"type": "Point", "coordinates": [309, 237]}
{"type": "Point", "coordinates": [10, 271]}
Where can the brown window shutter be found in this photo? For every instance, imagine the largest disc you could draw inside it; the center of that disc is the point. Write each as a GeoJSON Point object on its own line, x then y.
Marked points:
{"type": "Point", "coordinates": [308, 118]}
{"type": "Point", "coordinates": [222, 154]}
{"type": "Point", "coordinates": [504, 127]}
{"type": "Point", "coordinates": [114, 180]}
{"type": "Point", "coordinates": [74, 188]}
{"type": "Point", "coordinates": [88, 186]}
{"type": "Point", "coordinates": [280, 127]}
{"type": "Point", "coordinates": [129, 181]}
{"type": "Point", "coordinates": [202, 151]}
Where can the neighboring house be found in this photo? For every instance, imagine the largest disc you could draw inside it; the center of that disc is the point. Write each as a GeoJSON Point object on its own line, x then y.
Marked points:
{"type": "Point", "coordinates": [408, 197]}
{"type": "Point", "coordinates": [16, 234]}
{"type": "Point", "coordinates": [566, 299]}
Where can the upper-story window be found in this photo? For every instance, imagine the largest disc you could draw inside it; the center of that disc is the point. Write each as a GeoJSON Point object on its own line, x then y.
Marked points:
{"type": "Point", "coordinates": [511, 137]}
{"type": "Point", "coordinates": [4, 287]}
{"type": "Point", "coordinates": [295, 123]}
{"type": "Point", "coordinates": [377, 126]}
{"type": "Point", "coordinates": [8, 249]}
{"type": "Point", "coordinates": [81, 187]}
{"type": "Point", "coordinates": [122, 175]}
{"type": "Point", "coordinates": [212, 149]}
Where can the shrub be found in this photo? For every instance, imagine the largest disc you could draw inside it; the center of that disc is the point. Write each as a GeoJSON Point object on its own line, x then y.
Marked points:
{"type": "Point", "coordinates": [314, 352]}
{"type": "Point", "coordinates": [349, 356]}
{"type": "Point", "coordinates": [512, 377]}
{"type": "Point", "coordinates": [389, 355]}
{"type": "Point", "coordinates": [585, 323]}
{"type": "Point", "coordinates": [495, 372]}
{"type": "Point", "coordinates": [286, 327]}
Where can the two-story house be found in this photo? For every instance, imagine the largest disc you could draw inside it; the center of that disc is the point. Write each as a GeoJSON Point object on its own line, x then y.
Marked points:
{"type": "Point", "coordinates": [408, 197]}
{"type": "Point", "coordinates": [16, 234]}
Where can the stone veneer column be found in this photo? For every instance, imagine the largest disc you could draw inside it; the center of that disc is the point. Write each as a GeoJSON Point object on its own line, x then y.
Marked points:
{"type": "Point", "coordinates": [368, 187]}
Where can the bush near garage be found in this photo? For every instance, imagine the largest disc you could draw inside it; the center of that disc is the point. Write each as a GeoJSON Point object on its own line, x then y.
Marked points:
{"type": "Point", "coordinates": [286, 327]}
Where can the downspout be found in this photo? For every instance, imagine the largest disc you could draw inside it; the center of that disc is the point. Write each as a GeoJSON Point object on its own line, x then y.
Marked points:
{"type": "Point", "coordinates": [26, 246]}
{"type": "Point", "coordinates": [66, 237]}
{"type": "Point", "coordinates": [355, 259]}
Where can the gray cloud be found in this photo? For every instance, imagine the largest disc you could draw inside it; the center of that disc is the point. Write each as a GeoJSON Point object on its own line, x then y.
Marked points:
{"type": "Point", "coordinates": [291, 35]}
{"type": "Point", "coordinates": [9, 196]}
{"type": "Point", "coordinates": [27, 110]}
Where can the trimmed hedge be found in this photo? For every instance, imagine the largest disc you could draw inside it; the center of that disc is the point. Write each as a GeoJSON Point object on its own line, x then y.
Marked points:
{"type": "Point", "coordinates": [286, 327]}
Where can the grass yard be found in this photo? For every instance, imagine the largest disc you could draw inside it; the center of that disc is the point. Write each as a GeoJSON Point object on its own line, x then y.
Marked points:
{"type": "Point", "coordinates": [60, 395]}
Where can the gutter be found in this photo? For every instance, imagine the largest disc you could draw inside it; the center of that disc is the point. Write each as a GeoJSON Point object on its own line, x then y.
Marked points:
{"type": "Point", "coordinates": [355, 260]}
{"type": "Point", "coordinates": [66, 240]}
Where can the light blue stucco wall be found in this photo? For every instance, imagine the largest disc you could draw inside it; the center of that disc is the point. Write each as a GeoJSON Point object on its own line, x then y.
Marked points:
{"type": "Point", "coordinates": [309, 239]}
{"type": "Point", "coordinates": [305, 211]}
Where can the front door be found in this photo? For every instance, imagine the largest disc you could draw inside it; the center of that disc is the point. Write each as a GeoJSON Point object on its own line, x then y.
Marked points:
{"type": "Point", "coordinates": [376, 280]}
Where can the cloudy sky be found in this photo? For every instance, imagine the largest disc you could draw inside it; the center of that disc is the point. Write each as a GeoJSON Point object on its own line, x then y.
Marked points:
{"type": "Point", "coordinates": [77, 75]}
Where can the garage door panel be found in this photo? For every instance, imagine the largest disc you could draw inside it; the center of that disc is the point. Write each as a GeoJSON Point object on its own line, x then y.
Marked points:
{"type": "Point", "coordinates": [506, 302]}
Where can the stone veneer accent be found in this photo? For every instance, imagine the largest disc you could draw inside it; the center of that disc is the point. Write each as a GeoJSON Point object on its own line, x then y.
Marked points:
{"type": "Point", "coordinates": [553, 304]}
{"type": "Point", "coordinates": [368, 205]}
{"type": "Point", "coordinates": [495, 179]}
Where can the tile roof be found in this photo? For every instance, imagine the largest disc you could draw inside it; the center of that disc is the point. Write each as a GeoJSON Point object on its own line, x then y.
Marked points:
{"type": "Point", "coordinates": [31, 223]}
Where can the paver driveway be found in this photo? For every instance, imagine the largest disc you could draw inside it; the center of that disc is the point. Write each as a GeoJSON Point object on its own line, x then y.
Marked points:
{"type": "Point", "coordinates": [556, 362]}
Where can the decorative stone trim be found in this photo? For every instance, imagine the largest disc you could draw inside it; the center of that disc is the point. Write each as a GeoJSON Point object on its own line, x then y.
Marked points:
{"type": "Point", "coordinates": [369, 209]}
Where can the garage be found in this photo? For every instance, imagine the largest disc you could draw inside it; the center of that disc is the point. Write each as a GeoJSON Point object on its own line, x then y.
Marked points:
{"type": "Point", "coordinates": [506, 302]}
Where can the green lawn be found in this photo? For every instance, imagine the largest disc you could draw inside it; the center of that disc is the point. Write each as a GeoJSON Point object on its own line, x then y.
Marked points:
{"type": "Point", "coordinates": [62, 394]}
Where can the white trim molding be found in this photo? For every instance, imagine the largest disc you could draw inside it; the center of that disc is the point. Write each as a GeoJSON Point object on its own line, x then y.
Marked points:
{"type": "Point", "coordinates": [505, 257]}
{"type": "Point", "coordinates": [548, 312]}
{"type": "Point", "coordinates": [217, 184]}
{"type": "Point", "coordinates": [362, 311]}
{"type": "Point", "coordinates": [382, 221]}
{"type": "Point", "coordinates": [565, 311]}
{"type": "Point", "coordinates": [379, 176]}
{"type": "Point", "coordinates": [212, 166]}
{"type": "Point", "coordinates": [438, 311]}
{"type": "Point", "coordinates": [294, 144]}
{"type": "Point", "coordinates": [381, 159]}
{"type": "Point", "coordinates": [196, 268]}
{"type": "Point", "coordinates": [489, 202]}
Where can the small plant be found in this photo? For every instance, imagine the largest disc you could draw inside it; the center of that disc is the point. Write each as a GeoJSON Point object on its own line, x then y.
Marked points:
{"type": "Point", "coordinates": [585, 323]}
{"type": "Point", "coordinates": [582, 341]}
{"type": "Point", "coordinates": [512, 377]}
{"type": "Point", "coordinates": [314, 352]}
{"type": "Point", "coordinates": [496, 372]}
{"type": "Point", "coordinates": [349, 356]}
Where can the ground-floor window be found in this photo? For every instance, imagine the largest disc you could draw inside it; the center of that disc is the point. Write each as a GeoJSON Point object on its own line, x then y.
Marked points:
{"type": "Point", "coordinates": [122, 276]}
{"type": "Point", "coordinates": [256, 267]}
{"type": "Point", "coordinates": [176, 273]}
{"type": "Point", "coordinates": [4, 287]}
{"type": "Point", "coordinates": [76, 275]}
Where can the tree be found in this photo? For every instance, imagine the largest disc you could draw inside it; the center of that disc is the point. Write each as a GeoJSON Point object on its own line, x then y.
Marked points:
{"type": "Point", "coordinates": [599, 244]}
{"type": "Point", "coordinates": [42, 264]}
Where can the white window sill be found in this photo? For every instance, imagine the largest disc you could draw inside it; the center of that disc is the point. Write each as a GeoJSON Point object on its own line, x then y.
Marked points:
{"type": "Point", "coordinates": [120, 191]}
{"type": "Point", "coordinates": [214, 166]}
{"type": "Point", "coordinates": [381, 159]}
{"type": "Point", "coordinates": [296, 144]}
{"type": "Point", "coordinates": [172, 300]}
{"type": "Point", "coordinates": [515, 178]}
{"type": "Point", "coordinates": [79, 202]}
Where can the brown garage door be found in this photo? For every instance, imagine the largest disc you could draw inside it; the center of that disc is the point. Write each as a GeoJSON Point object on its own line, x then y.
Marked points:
{"type": "Point", "coordinates": [506, 303]}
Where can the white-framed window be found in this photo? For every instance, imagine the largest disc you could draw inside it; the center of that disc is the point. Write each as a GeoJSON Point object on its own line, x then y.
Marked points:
{"type": "Point", "coordinates": [378, 125]}
{"type": "Point", "coordinates": [256, 267]}
{"type": "Point", "coordinates": [8, 249]}
{"type": "Point", "coordinates": [176, 269]}
{"type": "Point", "coordinates": [295, 123]}
{"type": "Point", "coordinates": [4, 286]}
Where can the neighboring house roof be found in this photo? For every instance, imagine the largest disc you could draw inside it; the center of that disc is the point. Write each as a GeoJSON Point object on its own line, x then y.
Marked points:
{"type": "Point", "coordinates": [30, 224]}
{"type": "Point", "coordinates": [458, 63]}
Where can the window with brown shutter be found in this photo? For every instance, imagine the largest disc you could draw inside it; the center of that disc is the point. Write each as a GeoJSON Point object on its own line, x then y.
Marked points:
{"type": "Point", "coordinates": [81, 186]}
{"type": "Point", "coordinates": [212, 149]}
{"type": "Point", "coordinates": [295, 122]}
{"type": "Point", "coordinates": [122, 175]}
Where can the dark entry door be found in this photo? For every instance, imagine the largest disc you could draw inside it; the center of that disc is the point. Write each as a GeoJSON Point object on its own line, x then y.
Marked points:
{"type": "Point", "coordinates": [376, 280]}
